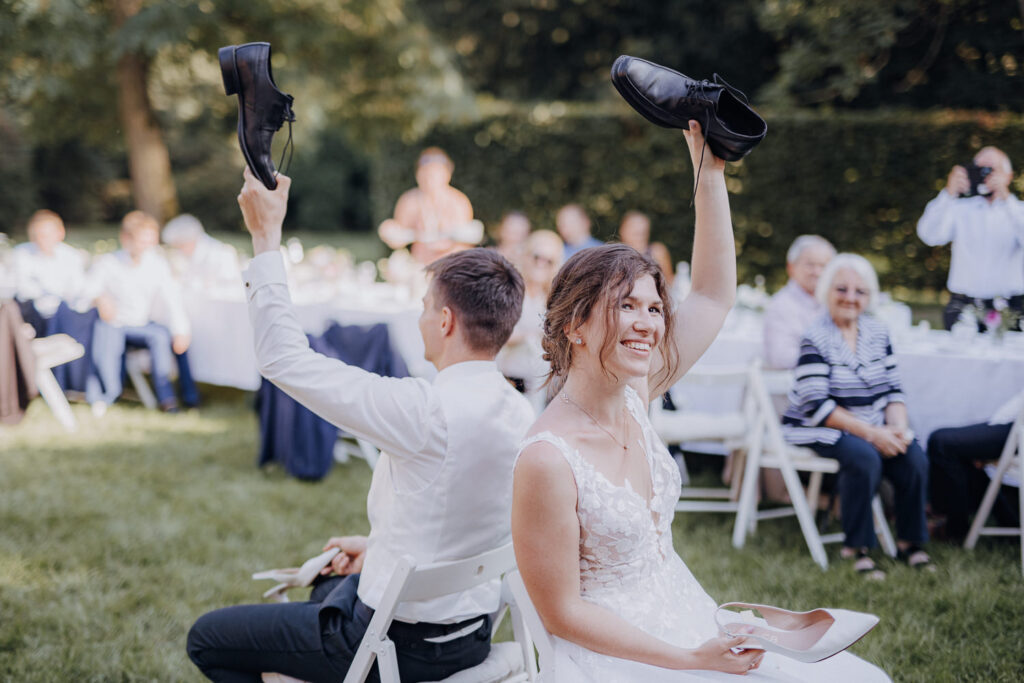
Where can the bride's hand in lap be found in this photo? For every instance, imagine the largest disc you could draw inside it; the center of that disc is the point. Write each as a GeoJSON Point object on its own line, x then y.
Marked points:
{"type": "Point", "coordinates": [723, 654]}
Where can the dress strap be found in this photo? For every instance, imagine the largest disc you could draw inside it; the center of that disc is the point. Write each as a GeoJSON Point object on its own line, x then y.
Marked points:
{"type": "Point", "coordinates": [558, 442]}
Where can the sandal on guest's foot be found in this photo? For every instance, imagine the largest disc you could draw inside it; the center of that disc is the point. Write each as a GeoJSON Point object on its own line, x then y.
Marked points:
{"type": "Point", "coordinates": [916, 558]}
{"type": "Point", "coordinates": [864, 565]}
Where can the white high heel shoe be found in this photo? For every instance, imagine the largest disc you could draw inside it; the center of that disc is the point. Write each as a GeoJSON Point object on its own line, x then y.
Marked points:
{"type": "Point", "coordinates": [803, 636]}
{"type": "Point", "coordinates": [296, 577]}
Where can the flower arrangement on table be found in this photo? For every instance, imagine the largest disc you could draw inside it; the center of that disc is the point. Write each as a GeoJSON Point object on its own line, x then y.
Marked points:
{"type": "Point", "coordinates": [1000, 319]}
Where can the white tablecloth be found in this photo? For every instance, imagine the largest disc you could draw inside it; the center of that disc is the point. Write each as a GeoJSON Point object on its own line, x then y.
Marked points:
{"type": "Point", "coordinates": [222, 350]}
{"type": "Point", "coordinates": [947, 382]}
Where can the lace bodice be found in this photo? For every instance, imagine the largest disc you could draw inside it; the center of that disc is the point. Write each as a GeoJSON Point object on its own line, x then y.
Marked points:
{"type": "Point", "coordinates": [623, 537]}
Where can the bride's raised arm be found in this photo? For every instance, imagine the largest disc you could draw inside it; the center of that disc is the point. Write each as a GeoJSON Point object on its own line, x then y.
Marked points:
{"type": "Point", "coordinates": [546, 535]}
{"type": "Point", "coordinates": [700, 315]}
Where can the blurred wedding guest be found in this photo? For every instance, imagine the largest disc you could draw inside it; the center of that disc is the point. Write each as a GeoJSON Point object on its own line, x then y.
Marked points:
{"type": "Point", "coordinates": [512, 234]}
{"type": "Point", "coordinates": [522, 358]}
{"type": "Point", "coordinates": [847, 404]}
{"type": "Point", "coordinates": [46, 270]}
{"type": "Point", "coordinates": [794, 307]}
{"type": "Point", "coordinates": [958, 480]}
{"type": "Point", "coordinates": [139, 305]}
{"type": "Point", "coordinates": [433, 217]}
{"type": "Point", "coordinates": [205, 259]}
{"type": "Point", "coordinates": [573, 225]}
{"type": "Point", "coordinates": [987, 232]}
{"type": "Point", "coordinates": [635, 230]}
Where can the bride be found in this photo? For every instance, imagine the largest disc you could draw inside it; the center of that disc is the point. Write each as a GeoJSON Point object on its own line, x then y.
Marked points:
{"type": "Point", "coordinates": [595, 489]}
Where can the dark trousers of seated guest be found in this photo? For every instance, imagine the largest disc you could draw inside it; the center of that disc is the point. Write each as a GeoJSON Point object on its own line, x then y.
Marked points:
{"type": "Point", "coordinates": [958, 302]}
{"type": "Point", "coordinates": [958, 482]}
{"type": "Point", "coordinates": [109, 343]}
{"type": "Point", "coordinates": [861, 468]}
{"type": "Point", "coordinates": [317, 640]}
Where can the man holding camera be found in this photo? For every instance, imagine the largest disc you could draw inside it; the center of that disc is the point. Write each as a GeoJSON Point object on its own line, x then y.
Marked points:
{"type": "Point", "coordinates": [985, 223]}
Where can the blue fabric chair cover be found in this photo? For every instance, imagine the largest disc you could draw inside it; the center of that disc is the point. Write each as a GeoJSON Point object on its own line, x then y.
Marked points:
{"type": "Point", "coordinates": [291, 434]}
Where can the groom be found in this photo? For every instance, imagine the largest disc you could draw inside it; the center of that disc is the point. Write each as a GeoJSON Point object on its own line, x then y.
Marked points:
{"type": "Point", "coordinates": [441, 490]}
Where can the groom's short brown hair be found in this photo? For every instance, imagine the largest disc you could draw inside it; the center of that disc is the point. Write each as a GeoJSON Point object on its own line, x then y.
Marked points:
{"type": "Point", "coordinates": [484, 290]}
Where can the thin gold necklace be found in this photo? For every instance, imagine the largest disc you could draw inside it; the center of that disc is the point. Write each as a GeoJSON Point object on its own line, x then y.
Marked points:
{"type": "Point", "coordinates": [625, 446]}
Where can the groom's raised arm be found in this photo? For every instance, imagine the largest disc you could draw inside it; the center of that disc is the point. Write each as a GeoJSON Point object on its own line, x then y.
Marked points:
{"type": "Point", "coordinates": [401, 416]}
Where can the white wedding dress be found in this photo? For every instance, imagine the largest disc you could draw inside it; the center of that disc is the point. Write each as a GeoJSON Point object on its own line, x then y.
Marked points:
{"type": "Point", "coordinates": [628, 566]}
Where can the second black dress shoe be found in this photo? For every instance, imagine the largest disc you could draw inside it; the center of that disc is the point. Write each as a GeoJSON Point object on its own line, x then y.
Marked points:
{"type": "Point", "coordinates": [671, 99]}
{"type": "Point", "coordinates": [262, 108]}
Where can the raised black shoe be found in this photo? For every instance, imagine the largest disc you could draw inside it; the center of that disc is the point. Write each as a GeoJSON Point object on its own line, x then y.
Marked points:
{"type": "Point", "coordinates": [262, 108]}
{"type": "Point", "coordinates": [671, 99]}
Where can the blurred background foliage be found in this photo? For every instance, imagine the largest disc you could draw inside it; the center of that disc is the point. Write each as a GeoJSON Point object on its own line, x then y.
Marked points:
{"type": "Point", "coordinates": [869, 104]}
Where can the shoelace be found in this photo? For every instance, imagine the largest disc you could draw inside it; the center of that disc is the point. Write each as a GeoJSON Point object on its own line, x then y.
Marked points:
{"type": "Point", "coordinates": [702, 85]}
{"type": "Point", "coordinates": [289, 146]}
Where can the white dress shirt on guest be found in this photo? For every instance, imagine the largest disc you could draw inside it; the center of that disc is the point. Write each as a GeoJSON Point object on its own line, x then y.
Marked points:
{"type": "Point", "coordinates": [988, 243]}
{"type": "Point", "coordinates": [48, 280]}
{"type": "Point", "coordinates": [786, 318]}
{"type": "Point", "coordinates": [442, 489]}
{"type": "Point", "coordinates": [142, 292]}
{"type": "Point", "coordinates": [210, 262]}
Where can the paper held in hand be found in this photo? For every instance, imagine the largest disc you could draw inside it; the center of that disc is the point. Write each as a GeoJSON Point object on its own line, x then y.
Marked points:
{"type": "Point", "coordinates": [295, 577]}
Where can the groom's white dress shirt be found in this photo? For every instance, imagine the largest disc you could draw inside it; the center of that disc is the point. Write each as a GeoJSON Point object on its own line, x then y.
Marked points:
{"type": "Point", "coordinates": [442, 489]}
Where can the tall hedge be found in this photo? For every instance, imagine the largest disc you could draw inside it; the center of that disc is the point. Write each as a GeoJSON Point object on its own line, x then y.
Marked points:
{"type": "Point", "coordinates": [860, 179]}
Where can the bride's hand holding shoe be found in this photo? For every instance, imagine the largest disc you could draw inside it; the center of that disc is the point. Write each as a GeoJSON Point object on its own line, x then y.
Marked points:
{"type": "Point", "coordinates": [727, 654]}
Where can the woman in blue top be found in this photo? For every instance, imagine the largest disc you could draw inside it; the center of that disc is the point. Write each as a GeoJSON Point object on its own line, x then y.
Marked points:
{"type": "Point", "coordinates": [847, 404]}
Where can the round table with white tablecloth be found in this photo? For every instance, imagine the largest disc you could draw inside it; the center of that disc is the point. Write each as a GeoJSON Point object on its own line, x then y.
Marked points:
{"type": "Point", "coordinates": [222, 350]}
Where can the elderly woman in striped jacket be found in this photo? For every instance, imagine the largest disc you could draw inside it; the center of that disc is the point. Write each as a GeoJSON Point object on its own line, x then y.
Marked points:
{"type": "Point", "coordinates": [847, 404]}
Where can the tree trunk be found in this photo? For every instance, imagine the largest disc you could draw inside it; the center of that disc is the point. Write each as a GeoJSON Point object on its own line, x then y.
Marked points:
{"type": "Point", "coordinates": [149, 162]}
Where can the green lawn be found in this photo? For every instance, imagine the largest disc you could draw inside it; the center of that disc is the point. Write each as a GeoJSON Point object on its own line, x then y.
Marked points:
{"type": "Point", "coordinates": [115, 538]}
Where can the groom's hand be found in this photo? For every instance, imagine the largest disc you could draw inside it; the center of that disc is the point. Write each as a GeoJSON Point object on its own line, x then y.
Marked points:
{"type": "Point", "coordinates": [264, 210]}
{"type": "Point", "coordinates": [350, 559]}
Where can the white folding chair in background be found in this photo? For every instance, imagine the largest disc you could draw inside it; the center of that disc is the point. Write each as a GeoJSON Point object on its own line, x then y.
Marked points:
{"type": "Point", "coordinates": [789, 459]}
{"type": "Point", "coordinates": [734, 432]}
{"type": "Point", "coordinates": [50, 352]}
{"type": "Point", "coordinates": [1008, 468]}
{"type": "Point", "coordinates": [348, 446]}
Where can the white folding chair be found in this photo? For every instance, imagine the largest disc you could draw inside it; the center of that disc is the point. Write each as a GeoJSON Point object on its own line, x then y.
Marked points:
{"type": "Point", "coordinates": [789, 459]}
{"type": "Point", "coordinates": [409, 583]}
{"type": "Point", "coordinates": [137, 362]}
{"type": "Point", "coordinates": [736, 431]}
{"type": "Point", "coordinates": [50, 352]}
{"type": "Point", "coordinates": [506, 663]}
{"type": "Point", "coordinates": [1009, 463]}
{"type": "Point", "coordinates": [531, 633]}
{"type": "Point", "coordinates": [348, 446]}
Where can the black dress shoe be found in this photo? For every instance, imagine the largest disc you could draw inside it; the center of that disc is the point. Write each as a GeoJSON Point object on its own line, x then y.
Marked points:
{"type": "Point", "coordinates": [262, 108]}
{"type": "Point", "coordinates": [671, 99]}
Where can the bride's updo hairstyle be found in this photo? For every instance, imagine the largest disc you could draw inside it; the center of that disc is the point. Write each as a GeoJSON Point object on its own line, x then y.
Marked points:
{"type": "Point", "coordinates": [599, 276]}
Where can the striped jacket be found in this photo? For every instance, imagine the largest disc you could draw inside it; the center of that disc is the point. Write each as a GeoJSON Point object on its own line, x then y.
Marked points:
{"type": "Point", "coordinates": [829, 375]}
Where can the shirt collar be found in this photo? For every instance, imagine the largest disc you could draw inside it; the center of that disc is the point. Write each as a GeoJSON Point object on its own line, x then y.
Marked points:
{"type": "Point", "coordinates": [467, 368]}
{"type": "Point", "coordinates": [801, 294]}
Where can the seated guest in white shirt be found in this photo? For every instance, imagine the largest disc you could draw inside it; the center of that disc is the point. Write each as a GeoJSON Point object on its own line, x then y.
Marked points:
{"type": "Point", "coordinates": [794, 307]}
{"type": "Point", "coordinates": [46, 270]}
{"type": "Point", "coordinates": [139, 305]}
{"type": "Point", "coordinates": [987, 232]}
{"type": "Point", "coordinates": [205, 259]}
{"type": "Point", "coordinates": [442, 489]}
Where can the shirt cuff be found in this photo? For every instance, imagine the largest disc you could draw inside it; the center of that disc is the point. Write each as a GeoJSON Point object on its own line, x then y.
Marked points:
{"type": "Point", "coordinates": [822, 413]}
{"type": "Point", "coordinates": [264, 269]}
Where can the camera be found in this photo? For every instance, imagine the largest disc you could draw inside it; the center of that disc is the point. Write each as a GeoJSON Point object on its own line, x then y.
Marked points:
{"type": "Point", "coordinates": [976, 176]}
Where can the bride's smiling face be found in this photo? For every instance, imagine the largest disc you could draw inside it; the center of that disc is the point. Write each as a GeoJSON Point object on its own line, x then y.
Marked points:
{"type": "Point", "coordinates": [626, 332]}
